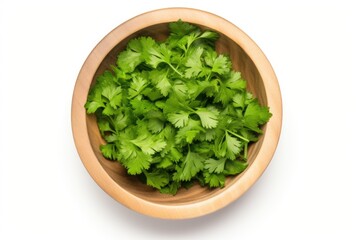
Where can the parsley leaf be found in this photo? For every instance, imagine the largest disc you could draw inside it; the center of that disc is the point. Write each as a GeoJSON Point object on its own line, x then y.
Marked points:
{"type": "Point", "coordinates": [188, 133]}
{"type": "Point", "coordinates": [214, 180]}
{"type": "Point", "coordinates": [191, 165]}
{"type": "Point", "coordinates": [137, 85]}
{"type": "Point", "coordinates": [157, 179]}
{"type": "Point", "coordinates": [179, 119]}
{"type": "Point", "coordinates": [221, 65]}
{"type": "Point", "coordinates": [194, 63]}
{"type": "Point", "coordinates": [234, 167]}
{"type": "Point", "coordinates": [256, 115]}
{"type": "Point", "coordinates": [138, 163]}
{"type": "Point", "coordinates": [149, 143]}
{"type": "Point", "coordinates": [181, 28]}
{"type": "Point", "coordinates": [113, 94]}
{"type": "Point", "coordinates": [208, 116]}
{"type": "Point", "coordinates": [108, 150]}
{"type": "Point", "coordinates": [215, 165]}
{"type": "Point", "coordinates": [136, 53]}
{"type": "Point", "coordinates": [128, 60]}
{"type": "Point", "coordinates": [161, 81]}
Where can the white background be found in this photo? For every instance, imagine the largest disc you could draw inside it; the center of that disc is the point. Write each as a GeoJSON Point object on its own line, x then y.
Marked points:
{"type": "Point", "coordinates": [309, 191]}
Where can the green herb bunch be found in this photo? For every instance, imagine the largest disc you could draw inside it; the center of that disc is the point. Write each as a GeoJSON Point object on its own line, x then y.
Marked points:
{"type": "Point", "coordinates": [174, 112]}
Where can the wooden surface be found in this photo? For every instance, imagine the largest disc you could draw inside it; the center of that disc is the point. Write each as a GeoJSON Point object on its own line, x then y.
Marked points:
{"type": "Point", "coordinates": [197, 201]}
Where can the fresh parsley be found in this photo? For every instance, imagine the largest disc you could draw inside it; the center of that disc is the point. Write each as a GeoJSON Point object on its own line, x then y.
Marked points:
{"type": "Point", "coordinates": [175, 112]}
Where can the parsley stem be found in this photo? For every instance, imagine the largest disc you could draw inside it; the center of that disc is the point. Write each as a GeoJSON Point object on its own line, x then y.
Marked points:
{"type": "Point", "coordinates": [245, 151]}
{"type": "Point", "coordinates": [111, 120]}
{"type": "Point", "coordinates": [239, 136]}
{"type": "Point", "coordinates": [208, 77]}
{"type": "Point", "coordinates": [173, 68]}
{"type": "Point", "coordinates": [187, 107]}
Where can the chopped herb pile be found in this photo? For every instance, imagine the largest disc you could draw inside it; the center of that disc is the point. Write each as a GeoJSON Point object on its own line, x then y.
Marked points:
{"type": "Point", "coordinates": [174, 112]}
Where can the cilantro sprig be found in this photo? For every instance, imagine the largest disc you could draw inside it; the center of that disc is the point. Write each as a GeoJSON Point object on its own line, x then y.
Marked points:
{"type": "Point", "coordinates": [175, 112]}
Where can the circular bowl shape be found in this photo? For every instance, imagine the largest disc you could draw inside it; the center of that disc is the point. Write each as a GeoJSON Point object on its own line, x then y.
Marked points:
{"type": "Point", "coordinates": [196, 201]}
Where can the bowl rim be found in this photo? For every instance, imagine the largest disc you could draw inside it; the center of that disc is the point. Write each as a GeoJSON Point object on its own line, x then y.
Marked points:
{"type": "Point", "coordinates": [196, 208]}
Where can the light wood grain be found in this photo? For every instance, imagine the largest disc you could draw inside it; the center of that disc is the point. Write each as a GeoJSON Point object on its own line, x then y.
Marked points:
{"type": "Point", "coordinates": [197, 201]}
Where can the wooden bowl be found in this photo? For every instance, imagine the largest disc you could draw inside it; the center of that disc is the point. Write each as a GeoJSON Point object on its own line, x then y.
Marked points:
{"type": "Point", "coordinates": [197, 201]}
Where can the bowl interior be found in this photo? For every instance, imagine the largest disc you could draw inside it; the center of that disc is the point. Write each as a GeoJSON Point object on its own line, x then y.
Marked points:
{"type": "Point", "coordinates": [241, 62]}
